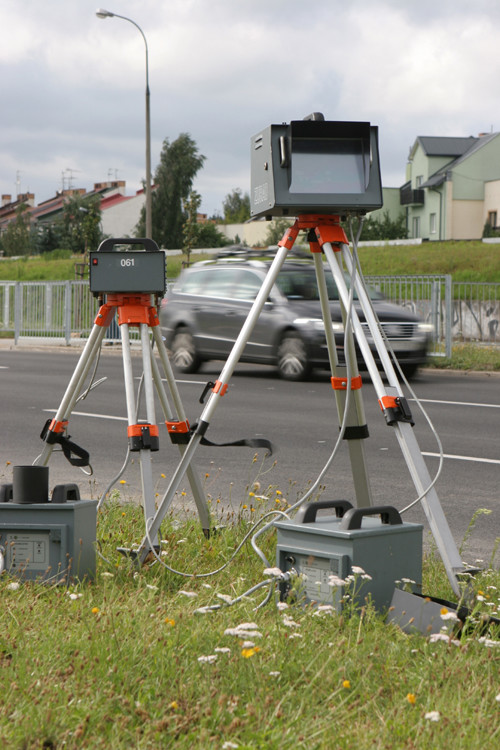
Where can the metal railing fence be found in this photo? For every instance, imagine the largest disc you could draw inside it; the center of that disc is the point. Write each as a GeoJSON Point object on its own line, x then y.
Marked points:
{"type": "Point", "coordinates": [64, 311]}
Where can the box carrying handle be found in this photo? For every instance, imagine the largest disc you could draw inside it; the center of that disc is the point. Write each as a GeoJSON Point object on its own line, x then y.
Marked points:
{"type": "Point", "coordinates": [307, 514]}
{"type": "Point", "coordinates": [108, 245]}
{"type": "Point", "coordinates": [354, 517]}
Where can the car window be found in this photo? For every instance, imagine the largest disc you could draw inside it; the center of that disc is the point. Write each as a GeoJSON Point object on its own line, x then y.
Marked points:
{"type": "Point", "coordinates": [247, 286]}
{"type": "Point", "coordinates": [300, 284]}
{"type": "Point", "coordinates": [209, 282]}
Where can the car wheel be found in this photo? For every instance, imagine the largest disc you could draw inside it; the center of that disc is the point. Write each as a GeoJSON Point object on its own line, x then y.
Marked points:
{"type": "Point", "coordinates": [409, 371]}
{"type": "Point", "coordinates": [292, 358]}
{"type": "Point", "coordinates": [184, 354]}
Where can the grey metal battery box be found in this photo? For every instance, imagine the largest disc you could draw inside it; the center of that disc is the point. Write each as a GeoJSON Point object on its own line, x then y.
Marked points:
{"type": "Point", "coordinates": [374, 539]}
{"type": "Point", "coordinates": [49, 541]}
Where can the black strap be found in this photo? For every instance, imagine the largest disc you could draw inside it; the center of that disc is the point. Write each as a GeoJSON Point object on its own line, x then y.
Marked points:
{"type": "Point", "coordinates": [247, 442]}
{"type": "Point", "coordinates": [81, 457]}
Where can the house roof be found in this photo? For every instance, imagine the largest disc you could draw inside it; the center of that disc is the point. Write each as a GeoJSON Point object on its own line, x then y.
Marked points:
{"type": "Point", "coordinates": [443, 146]}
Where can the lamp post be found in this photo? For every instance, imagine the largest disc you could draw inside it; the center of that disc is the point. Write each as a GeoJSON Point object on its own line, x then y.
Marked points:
{"type": "Point", "coordinates": [101, 13]}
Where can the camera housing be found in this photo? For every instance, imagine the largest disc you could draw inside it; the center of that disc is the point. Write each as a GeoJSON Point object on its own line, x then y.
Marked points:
{"type": "Point", "coordinates": [128, 272]}
{"type": "Point", "coordinates": [315, 166]}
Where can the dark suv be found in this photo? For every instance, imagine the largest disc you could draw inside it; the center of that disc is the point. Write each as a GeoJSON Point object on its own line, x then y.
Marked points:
{"type": "Point", "coordinates": [204, 311]}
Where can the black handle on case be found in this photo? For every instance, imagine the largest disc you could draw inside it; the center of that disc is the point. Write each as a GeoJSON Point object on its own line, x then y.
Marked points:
{"type": "Point", "coordinates": [353, 518]}
{"type": "Point", "coordinates": [107, 246]}
{"type": "Point", "coordinates": [308, 513]}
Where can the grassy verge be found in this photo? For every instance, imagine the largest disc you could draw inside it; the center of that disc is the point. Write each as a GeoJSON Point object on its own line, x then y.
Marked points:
{"type": "Point", "coordinates": [469, 357]}
{"type": "Point", "coordinates": [128, 660]}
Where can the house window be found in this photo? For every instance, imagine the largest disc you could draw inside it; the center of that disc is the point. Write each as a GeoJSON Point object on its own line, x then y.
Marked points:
{"type": "Point", "coordinates": [416, 227]}
{"type": "Point", "coordinates": [419, 180]}
{"type": "Point", "coordinates": [432, 223]}
{"type": "Point", "coordinates": [492, 219]}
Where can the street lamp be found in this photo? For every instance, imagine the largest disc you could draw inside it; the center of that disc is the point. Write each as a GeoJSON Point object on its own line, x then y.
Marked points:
{"type": "Point", "coordinates": [101, 13]}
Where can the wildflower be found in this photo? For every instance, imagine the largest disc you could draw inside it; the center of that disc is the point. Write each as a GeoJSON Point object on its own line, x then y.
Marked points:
{"type": "Point", "coordinates": [289, 623]}
{"type": "Point", "coordinates": [295, 635]}
{"type": "Point", "coordinates": [163, 476]}
{"type": "Point", "coordinates": [480, 598]}
{"type": "Point", "coordinates": [74, 596]}
{"type": "Point", "coordinates": [240, 633]}
{"type": "Point", "coordinates": [107, 574]}
{"type": "Point", "coordinates": [247, 644]}
{"type": "Point", "coordinates": [174, 705]}
{"type": "Point", "coordinates": [225, 598]}
{"type": "Point", "coordinates": [275, 572]}
{"type": "Point", "coordinates": [13, 586]}
{"type": "Point", "coordinates": [170, 621]}
{"type": "Point", "coordinates": [278, 492]}
{"type": "Point", "coordinates": [7, 463]}
{"type": "Point", "coordinates": [432, 715]}
{"type": "Point", "coordinates": [357, 570]}
{"type": "Point", "coordinates": [208, 659]}
{"type": "Point", "coordinates": [244, 507]}
{"type": "Point", "coordinates": [95, 610]}
{"type": "Point", "coordinates": [445, 615]}
{"type": "Point", "coordinates": [229, 745]}
{"type": "Point", "coordinates": [183, 493]}
{"type": "Point", "coordinates": [222, 650]}
{"type": "Point", "coordinates": [207, 475]}
{"type": "Point", "coordinates": [206, 585]}
{"type": "Point", "coordinates": [190, 594]}
{"type": "Point", "coordinates": [251, 494]}
{"type": "Point", "coordinates": [247, 653]}
{"type": "Point", "coordinates": [488, 642]}
{"type": "Point", "coordinates": [411, 698]}
{"type": "Point", "coordinates": [122, 481]}
{"type": "Point", "coordinates": [152, 587]}
{"type": "Point", "coordinates": [498, 698]}
{"type": "Point", "coordinates": [282, 605]}
{"type": "Point", "coordinates": [274, 674]}
{"type": "Point", "coordinates": [334, 580]}
{"type": "Point", "coordinates": [346, 684]}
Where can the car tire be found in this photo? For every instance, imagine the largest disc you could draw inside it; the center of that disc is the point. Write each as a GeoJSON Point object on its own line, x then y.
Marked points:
{"type": "Point", "coordinates": [183, 351]}
{"type": "Point", "coordinates": [292, 358]}
{"type": "Point", "coordinates": [409, 371]}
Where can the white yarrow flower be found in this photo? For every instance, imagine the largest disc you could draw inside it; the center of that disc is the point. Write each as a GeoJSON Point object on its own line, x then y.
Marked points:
{"type": "Point", "coordinates": [274, 572]}
{"type": "Point", "coordinates": [190, 594]}
{"type": "Point", "coordinates": [13, 586]}
{"type": "Point", "coordinates": [208, 659]}
{"type": "Point", "coordinates": [433, 715]}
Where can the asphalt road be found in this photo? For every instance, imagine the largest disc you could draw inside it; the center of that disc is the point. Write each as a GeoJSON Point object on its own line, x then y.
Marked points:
{"type": "Point", "coordinates": [299, 418]}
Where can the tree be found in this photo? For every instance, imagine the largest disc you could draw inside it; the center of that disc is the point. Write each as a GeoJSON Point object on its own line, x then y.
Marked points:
{"type": "Point", "coordinates": [80, 228]}
{"type": "Point", "coordinates": [179, 164]}
{"type": "Point", "coordinates": [190, 228]}
{"type": "Point", "coordinates": [16, 239]}
{"type": "Point", "coordinates": [236, 207]}
{"type": "Point", "coordinates": [386, 229]}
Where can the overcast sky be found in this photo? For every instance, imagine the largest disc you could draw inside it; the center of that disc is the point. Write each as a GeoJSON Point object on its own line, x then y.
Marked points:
{"type": "Point", "coordinates": [72, 86]}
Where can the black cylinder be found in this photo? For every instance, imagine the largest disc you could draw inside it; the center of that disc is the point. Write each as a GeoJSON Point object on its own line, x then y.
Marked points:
{"type": "Point", "coordinates": [30, 484]}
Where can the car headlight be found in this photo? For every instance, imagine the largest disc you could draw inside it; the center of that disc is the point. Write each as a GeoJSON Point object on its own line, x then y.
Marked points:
{"type": "Point", "coordinates": [425, 328]}
{"type": "Point", "coordinates": [318, 325]}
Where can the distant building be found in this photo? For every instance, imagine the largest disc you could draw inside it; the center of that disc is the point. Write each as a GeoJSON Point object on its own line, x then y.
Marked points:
{"type": "Point", "coordinates": [453, 187]}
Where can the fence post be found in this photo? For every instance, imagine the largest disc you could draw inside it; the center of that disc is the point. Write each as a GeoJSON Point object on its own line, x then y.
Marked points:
{"type": "Point", "coordinates": [448, 312]}
{"type": "Point", "coordinates": [18, 310]}
{"type": "Point", "coordinates": [67, 312]}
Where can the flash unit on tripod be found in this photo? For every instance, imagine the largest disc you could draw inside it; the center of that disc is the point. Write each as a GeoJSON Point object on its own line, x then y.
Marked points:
{"type": "Point", "coordinates": [315, 166]}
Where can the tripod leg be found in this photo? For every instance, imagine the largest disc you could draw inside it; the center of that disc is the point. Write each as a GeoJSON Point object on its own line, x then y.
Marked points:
{"type": "Point", "coordinates": [406, 438]}
{"type": "Point", "coordinates": [194, 479]}
{"type": "Point", "coordinates": [69, 399]}
{"type": "Point", "coordinates": [219, 389]}
{"type": "Point", "coordinates": [139, 439]}
{"type": "Point", "coordinates": [356, 429]}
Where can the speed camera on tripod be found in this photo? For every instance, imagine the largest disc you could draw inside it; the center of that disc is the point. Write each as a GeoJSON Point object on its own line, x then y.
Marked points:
{"type": "Point", "coordinates": [314, 166]}
{"type": "Point", "coordinates": [128, 271]}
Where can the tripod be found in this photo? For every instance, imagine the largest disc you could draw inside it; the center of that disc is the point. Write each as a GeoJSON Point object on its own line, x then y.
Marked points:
{"type": "Point", "coordinates": [143, 437]}
{"type": "Point", "coordinates": [327, 236]}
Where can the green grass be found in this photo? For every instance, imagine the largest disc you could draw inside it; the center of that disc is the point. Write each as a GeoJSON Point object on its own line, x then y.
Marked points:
{"type": "Point", "coordinates": [469, 357]}
{"type": "Point", "coordinates": [466, 261]}
{"type": "Point", "coordinates": [121, 661]}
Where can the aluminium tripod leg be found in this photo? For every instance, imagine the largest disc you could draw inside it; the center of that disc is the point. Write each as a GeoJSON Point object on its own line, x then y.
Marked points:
{"type": "Point", "coordinates": [194, 479]}
{"type": "Point", "coordinates": [404, 432]}
{"type": "Point", "coordinates": [142, 437]}
{"type": "Point", "coordinates": [75, 385]}
{"type": "Point", "coordinates": [356, 429]}
{"type": "Point", "coordinates": [220, 387]}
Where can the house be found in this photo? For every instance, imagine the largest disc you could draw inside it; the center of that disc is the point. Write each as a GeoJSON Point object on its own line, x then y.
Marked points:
{"type": "Point", "coordinates": [453, 187]}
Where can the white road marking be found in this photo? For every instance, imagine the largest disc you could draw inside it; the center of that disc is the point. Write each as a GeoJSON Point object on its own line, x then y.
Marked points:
{"type": "Point", "coordinates": [464, 458]}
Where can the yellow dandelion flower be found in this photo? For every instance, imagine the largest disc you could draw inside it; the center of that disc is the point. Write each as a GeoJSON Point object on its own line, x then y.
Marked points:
{"type": "Point", "coordinates": [183, 493]}
{"type": "Point", "coordinates": [247, 653]}
{"type": "Point", "coordinates": [278, 492]}
{"type": "Point", "coordinates": [95, 610]}
{"type": "Point", "coordinates": [122, 481]}
{"type": "Point", "coordinates": [411, 698]}
{"type": "Point", "coordinates": [7, 463]}
{"type": "Point", "coordinates": [346, 684]}
{"type": "Point", "coordinates": [277, 501]}
{"type": "Point", "coordinates": [207, 475]}
{"type": "Point", "coordinates": [123, 514]}
{"type": "Point", "coordinates": [251, 494]}
{"type": "Point", "coordinates": [244, 507]}
{"type": "Point", "coordinates": [163, 476]}
{"type": "Point", "coordinates": [174, 705]}
{"type": "Point", "coordinates": [170, 621]}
